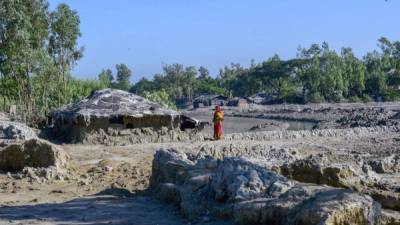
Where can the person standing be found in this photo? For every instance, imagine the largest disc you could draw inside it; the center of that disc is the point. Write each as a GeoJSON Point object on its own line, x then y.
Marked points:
{"type": "Point", "coordinates": [218, 118]}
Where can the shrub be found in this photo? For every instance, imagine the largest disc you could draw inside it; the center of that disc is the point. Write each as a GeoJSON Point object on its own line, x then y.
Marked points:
{"type": "Point", "coordinates": [161, 97]}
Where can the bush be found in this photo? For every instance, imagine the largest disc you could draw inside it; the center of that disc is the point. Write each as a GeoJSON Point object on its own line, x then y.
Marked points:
{"type": "Point", "coordinates": [160, 97]}
{"type": "Point", "coordinates": [366, 98]}
{"type": "Point", "coordinates": [316, 98]}
{"type": "Point", "coordinates": [353, 99]}
{"type": "Point", "coordinates": [392, 95]}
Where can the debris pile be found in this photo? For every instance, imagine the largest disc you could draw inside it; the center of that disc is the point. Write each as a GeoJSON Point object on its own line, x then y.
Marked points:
{"type": "Point", "coordinates": [366, 118]}
{"type": "Point", "coordinates": [270, 125]}
{"type": "Point", "coordinates": [36, 159]}
{"type": "Point", "coordinates": [15, 131]}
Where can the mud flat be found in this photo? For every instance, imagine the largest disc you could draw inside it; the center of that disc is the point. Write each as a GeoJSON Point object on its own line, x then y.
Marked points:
{"type": "Point", "coordinates": [343, 115]}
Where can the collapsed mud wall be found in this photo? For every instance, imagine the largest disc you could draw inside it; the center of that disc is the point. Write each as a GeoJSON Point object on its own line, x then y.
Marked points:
{"type": "Point", "coordinates": [15, 131]}
{"type": "Point", "coordinates": [112, 136]}
{"type": "Point", "coordinates": [36, 159]}
{"type": "Point", "coordinates": [80, 129]}
{"type": "Point", "coordinates": [117, 121]}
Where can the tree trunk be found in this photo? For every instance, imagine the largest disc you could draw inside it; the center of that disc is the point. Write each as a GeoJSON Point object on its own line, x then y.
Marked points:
{"type": "Point", "coordinates": [65, 88]}
{"type": "Point", "coordinates": [44, 98]}
{"type": "Point", "coordinates": [59, 95]}
{"type": "Point", "coordinates": [29, 99]}
{"type": "Point", "coordinates": [4, 103]}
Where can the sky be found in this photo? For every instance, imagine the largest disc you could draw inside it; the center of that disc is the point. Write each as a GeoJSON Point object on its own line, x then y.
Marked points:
{"type": "Point", "coordinates": [147, 34]}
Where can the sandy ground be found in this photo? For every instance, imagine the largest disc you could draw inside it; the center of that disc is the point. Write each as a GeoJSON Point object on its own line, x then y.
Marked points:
{"type": "Point", "coordinates": [110, 187]}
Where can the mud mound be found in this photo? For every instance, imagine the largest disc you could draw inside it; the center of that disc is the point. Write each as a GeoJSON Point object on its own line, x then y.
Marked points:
{"type": "Point", "coordinates": [389, 217]}
{"type": "Point", "coordinates": [269, 156]}
{"type": "Point", "coordinates": [390, 164]}
{"type": "Point", "coordinates": [288, 135]}
{"type": "Point", "coordinates": [350, 171]}
{"type": "Point", "coordinates": [237, 189]}
{"type": "Point", "coordinates": [366, 118]}
{"type": "Point", "coordinates": [3, 117]}
{"type": "Point", "coordinates": [320, 169]}
{"type": "Point", "coordinates": [35, 158]}
{"type": "Point", "coordinates": [270, 125]}
{"type": "Point", "coordinates": [13, 130]}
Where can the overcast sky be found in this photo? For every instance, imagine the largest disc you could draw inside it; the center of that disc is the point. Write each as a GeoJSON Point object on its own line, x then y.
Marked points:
{"type": "Point", "coordinates": [146, 34]}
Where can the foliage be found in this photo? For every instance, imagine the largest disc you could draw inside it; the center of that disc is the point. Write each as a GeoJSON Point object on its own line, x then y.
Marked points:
{"type": "Point", "coordinates": [64, 34]}
{"type": "Point", "coordinates": [123, 76]}
{"type": "Point", "coordinates": [317, 74]}
{"type": "Point", "coordinates": [46, 95]}
{"type": "Point", "coordinates": [38, 48]}
{"type": "Point", "coordinates": [106, 77]}
{"type": "Point", "coordinates": [181, 83]}
{"type": "Point", "coordinates": [161, 97]}
{"type": "Point", "coordinates": [23, 35]}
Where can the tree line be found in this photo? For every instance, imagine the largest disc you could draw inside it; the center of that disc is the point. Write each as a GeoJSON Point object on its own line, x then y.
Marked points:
{"type": "Point", "coordinates": [316, 74]}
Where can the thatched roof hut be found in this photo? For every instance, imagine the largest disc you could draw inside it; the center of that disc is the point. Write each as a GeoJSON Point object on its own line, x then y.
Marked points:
{"type": "Point", "coordinates": [238, 102]}
{"type": "Point", "coordinates": [207, 100]}
{"type": "Point", "coordinates": [115, 109]}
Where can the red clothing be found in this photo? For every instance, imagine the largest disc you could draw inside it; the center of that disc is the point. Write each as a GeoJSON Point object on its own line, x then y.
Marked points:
{"type": "Point", "coordinates": [218, 130]}
{"type": "Point", "coordinates": [218, 118]}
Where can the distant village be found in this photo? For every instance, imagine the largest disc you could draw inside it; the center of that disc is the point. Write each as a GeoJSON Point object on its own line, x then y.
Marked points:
{"type": "Point", "coordinates": [207, 100]}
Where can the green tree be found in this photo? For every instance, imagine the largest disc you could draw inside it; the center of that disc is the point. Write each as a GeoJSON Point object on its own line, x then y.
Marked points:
{"type": "Point", "coordinates": [354, 71]}
{"type": "Point", "coordinates": [390, 63]}
{"type": "Point", "coordinates": [322, 75]}
{"type": "Point", "coordinates": [375, 83]}
{"type": "Point", "coordinates": [189, 81]}
{"type": "Point", "coordinates": [143, 85]}
{"type": "Point", "coordinates": [106, 77]}
{"type": "Point", "coordinates": [171, 80]}
{"type": "Point", "coordinates": [332, 85]}
{"type": "Point", "coordinates": [228, 75]}
{"type": "Point", "coordinates": [161, 97]}
{"type": "Point", "coordinates": [45, 85]}
{"type": "Point", "coordinates": [123, 76]}
{"type": "Point", "coordinates": [8, 91]}
{"type": "Point", "coordinates": [23, 34]}
{"type": "Point", "coordinates": [208, 86]}
{"type": "Point", "coordinates": [310, 75]}
{"type": "Point", "coordinates": [204, 73]}
{"type": "Point", "coordinates": [64, 34]}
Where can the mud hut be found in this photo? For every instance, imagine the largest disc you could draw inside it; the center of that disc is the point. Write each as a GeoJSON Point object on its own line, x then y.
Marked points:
{"type": "Point", "coordinates": [113, 110]}
{"type": "Point", "coordinates": [263, 98]}
{"type": "Point", "coordinates": [238, 102]}
{"type": "Point", "coordinates": [209, 100]}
